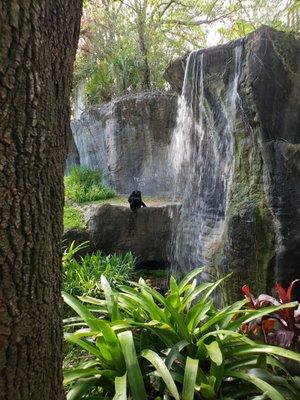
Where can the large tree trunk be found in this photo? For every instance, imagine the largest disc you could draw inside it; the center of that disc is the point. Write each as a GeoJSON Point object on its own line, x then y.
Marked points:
{"type": "Point", "coordinates": [37, 48]}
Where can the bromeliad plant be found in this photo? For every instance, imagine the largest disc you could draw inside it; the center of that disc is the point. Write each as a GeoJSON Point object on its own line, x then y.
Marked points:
{"type": "Point", "coordinates": [142, 345]}
{"type": "Point", "coordinates": [281, 327]}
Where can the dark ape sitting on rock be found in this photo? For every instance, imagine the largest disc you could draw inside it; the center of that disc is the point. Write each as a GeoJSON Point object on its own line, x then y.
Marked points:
{"type": "Point", "coordinates": [135, 200]}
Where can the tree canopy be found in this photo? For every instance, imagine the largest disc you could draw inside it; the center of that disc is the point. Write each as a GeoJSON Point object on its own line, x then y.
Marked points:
{"type": "Point", "coordinates": [125, 45]}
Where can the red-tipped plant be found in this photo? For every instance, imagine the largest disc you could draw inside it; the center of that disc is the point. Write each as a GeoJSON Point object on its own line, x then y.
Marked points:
{"type": "Point", "coordinates": [281, 328]}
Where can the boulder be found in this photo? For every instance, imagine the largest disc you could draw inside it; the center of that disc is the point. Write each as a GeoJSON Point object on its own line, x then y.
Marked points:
{"type": "Point", "coordinates": [78, 236]}
{"type": "Point", "coordinates": [147, 232]}
{"type": "Point", "coordinates": [260, 241]}
{"type": "Point", "coordinates": [128, 140]}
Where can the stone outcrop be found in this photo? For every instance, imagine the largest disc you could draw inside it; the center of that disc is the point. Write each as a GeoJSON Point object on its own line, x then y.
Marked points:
{"type": "Point", "coordinates": [147, 232]}
{"type": "Point", "coordinates": [261, 238]}
{"type": "Point", "coordinates": [128, 140]}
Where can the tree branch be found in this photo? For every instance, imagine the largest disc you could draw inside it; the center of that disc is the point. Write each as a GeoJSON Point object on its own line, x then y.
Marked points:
{"type": "Point", "coordinates": [196, 22]}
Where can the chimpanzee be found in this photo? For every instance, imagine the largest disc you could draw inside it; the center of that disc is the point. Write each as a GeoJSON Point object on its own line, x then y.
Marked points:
{"type": "Point", "coordinates": [135, 200]}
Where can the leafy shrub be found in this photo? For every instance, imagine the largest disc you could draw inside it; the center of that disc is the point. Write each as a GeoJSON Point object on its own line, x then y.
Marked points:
{"type": "Point", "coordinates": [73, 217]}
{"type": "Point", "coordinates": [82, 277]}
{"type": "Point", "coordinates": [146, 346]}
{"type": "Point", "coordinates": [84, 184]}
{"type": "Point", "coordinates": [281, 327]}
{"type": "Point", "coordinates": [99, 85]}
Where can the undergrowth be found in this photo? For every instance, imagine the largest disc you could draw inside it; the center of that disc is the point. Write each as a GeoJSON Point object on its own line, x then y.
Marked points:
{"type": "Point", "coordinates": [84, 184]}
{"type": "Point", "coordinates": [73, 218]}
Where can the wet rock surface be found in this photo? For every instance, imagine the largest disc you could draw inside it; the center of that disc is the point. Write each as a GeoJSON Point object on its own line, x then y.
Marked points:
{"type": "Point", "coordinates": [261, 236]}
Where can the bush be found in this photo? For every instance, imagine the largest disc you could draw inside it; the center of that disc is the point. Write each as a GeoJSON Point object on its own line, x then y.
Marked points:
{"type": "Point", "coordinates": [82, 277]}
{"type": "Point", "coordinates": [145, 346]}
{"type": "Point", "coordinates": [73, 218]}
{"type": "Point", "coordinates": [84, 184]}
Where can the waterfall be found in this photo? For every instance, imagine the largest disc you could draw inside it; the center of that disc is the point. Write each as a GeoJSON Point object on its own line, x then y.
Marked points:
{"type": "Point", "coordinates": [201, 157]}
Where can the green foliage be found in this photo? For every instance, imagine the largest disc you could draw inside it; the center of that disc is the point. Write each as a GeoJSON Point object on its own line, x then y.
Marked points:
{"type": "Point", "coordinates": [98, 86]}
{"type": "Point", "coordinates": [73, 217]}
{"type": "Point", "coordinates": [84, 184]}
{"type": "Point", "coordinates": [82, 276]}
{"type": "Point", "coordinates": [179, 346]}
{"type": "Point", "coordinates": [121, 40]}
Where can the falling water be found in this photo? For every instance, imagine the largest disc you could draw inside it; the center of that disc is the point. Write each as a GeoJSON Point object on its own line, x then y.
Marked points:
{"type": "Point", "coordinates": [201, 156]}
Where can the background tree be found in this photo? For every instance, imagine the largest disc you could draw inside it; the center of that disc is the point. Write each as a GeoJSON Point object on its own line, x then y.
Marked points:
{"type": "Point", "coordinates": [37, 49]}
{"type": "Point", "coordinates": [128, 43]}
{"type": "Point", "coordinates": [135, 49]}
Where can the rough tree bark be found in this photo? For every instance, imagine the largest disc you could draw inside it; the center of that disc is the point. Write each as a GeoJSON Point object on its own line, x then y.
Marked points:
{"type": "Point", "coordinates": [38, 41]}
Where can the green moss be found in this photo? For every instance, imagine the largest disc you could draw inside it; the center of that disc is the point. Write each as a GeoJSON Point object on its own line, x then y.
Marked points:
{"type": "Point", "coordinates": [285, 51]}
{"type": "Point", "coordinates": [73, 218]}
{"type": "Point", "coordinates": [247, 244]}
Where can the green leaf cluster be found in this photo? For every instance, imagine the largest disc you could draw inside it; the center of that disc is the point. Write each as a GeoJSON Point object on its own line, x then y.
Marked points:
{"type": "Point", "coordinates": [81, 275]}
{"type": "Point", "coordinates": [73, 217]}
{"type": "Point", "coordinates": [84, 184]}
{"type": "Point", "coordinates": [143, 345]}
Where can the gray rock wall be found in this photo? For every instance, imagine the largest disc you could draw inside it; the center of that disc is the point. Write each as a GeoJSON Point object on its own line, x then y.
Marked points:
{"type": "Point", "coordinates": [147, 232]}
{"type": "Point", "coordinates": [261, 237]}
{"type": "Point", "coordinates": [128, 140]}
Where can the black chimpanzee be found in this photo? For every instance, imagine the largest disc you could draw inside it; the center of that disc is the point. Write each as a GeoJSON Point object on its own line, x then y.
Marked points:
{"type": "Point", "coordinates": [135, 200]}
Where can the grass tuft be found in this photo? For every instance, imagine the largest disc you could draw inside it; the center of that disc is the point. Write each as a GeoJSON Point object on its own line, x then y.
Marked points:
{"type": "Point", "coordinates": [84, 184]}
{"type": "Point", "coordinates": [73, 218]}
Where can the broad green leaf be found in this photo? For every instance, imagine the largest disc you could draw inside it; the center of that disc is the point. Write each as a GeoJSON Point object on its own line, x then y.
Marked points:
{"type": "Point", "coordinates": [265, 387]}
{"type": "Point", "coordinates": [75, 374]}
{"type": "Point", "coordinates": [174, 352]}
{"type": "Point", "coordinates": [91, 348]}
{"type": "Point", "coordinates": [189, 380]}
{"type": "Point", "coordinates": [254, 314]}
{"type": "Point", "coordinates": [275, 381]}
{"type": "Point", "coordinates": [162, 370]}
{"type": "Point", "coordinates": [223, 315]}
{"type": "Point", "coordinates": [263, 349]}
{"type": "Point", "coordinates": [92, 300]}
{"type": "Point", "coordinates": [80, 388]}
{"type": "Point", "coordinates": [207, 390]}
{"type": "Point", "coordinates": [120, 388]}
{"type": "Point", "coordinates": [214, 352]}
{"type": "Point", "coordinates": [133, 369]}
{"type": "Point", "coordinates": [82, 311]}
{"type": "Point", "coordinates": [196, 313]}
{"type": "Point", "coordinates": [150, 306]}
{"type": "Point", "coordinates": [189, 277]}
{"type": "Point", "coordinates": [111, 303]}
{"type": "Point", "coordinates": [214, 286]}
{"type": "Point", "coordinates": [178, 318]}
{"type": "Point", "coordinates": [189, 298]}
{"type": "Point", "coordinates": [173, 285]}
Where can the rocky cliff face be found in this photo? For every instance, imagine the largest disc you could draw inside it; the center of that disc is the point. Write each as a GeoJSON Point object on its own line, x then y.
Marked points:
{"type": "Point", "coordinates": [260, 240]}
{"type": "Point", "coordinates": [128, 140]}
